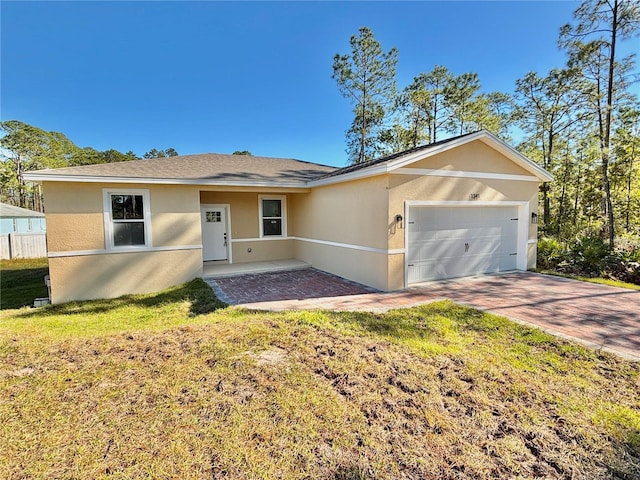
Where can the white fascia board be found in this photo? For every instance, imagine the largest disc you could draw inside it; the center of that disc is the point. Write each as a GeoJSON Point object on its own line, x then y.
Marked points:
{"type": "Point", "coordinates": [487, 138]}
{"type": "Point", "coordinates": [429, 152]}
{"type": "Point", "coordinates": [35, 177]}
{"type": "Point", "coordinates": [364, 173]}
{"type": "Point", "coordinates": [389, 167]}
{"type": "Point", "coordinates": [516, 157]}
{"type": "Point", "coordinates": [463, 174]}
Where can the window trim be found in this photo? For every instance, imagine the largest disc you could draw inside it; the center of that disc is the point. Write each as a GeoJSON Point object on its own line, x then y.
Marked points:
{"type": "Point", "coordinates": [108, 220]}
{"type": "Point", "coordinates": [283, 206]}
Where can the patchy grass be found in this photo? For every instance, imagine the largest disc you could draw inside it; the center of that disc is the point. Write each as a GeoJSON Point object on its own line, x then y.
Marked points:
{"type": "Point", "coordinates": [148, 387]}
{"type": "Point", "coordinates": [602, 281]}
{"type": "Point", "coordinates": [22, 281]}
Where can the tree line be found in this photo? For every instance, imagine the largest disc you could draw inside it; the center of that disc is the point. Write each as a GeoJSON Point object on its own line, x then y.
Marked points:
{"type": "Point", "coordinates": [580, 121]}
{"type": "Point", "coordinates": [24, 147]}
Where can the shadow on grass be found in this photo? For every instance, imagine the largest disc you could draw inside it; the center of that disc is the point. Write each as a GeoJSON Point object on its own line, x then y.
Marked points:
{"type": "Point", "coordinates": [447, 323]}
{"type": "Point", "coordinates": [429, 320]}
{"type": "Point", "coordinates": [197, 292]}
{"type": "Point", "coordinates": [21, 284]}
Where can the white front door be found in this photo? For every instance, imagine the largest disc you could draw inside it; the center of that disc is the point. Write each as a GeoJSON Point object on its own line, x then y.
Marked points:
{"type": "Point", "coordinates": [214, 233]}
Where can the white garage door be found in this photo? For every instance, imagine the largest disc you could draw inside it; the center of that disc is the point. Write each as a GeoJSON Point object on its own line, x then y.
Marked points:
{"type": "Point", "coordinates": [449, 242]}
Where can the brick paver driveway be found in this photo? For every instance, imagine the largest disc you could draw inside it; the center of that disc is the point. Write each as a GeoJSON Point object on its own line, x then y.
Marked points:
{"type": "Point", "coordinates": [596, 315]}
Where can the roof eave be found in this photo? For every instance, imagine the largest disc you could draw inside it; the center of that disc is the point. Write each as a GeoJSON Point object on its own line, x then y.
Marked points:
{"type": "Point", "coordinates": [39, 178]}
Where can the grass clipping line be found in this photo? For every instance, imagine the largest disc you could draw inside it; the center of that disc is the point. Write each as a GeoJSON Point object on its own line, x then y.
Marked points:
{"type": "Point", "coordinates": [147, 388]}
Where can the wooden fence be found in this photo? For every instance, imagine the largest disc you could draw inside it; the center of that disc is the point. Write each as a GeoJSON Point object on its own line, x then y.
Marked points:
{"type": "Point", "coordinates": [23, 245]}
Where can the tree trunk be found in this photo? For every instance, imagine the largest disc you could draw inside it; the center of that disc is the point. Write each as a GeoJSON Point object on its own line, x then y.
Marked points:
{"type": "Point", "coordinates": [631, 160]}
{"type": "Point", "coordinates": [607, 125]}
{"type": "Point", "coordinates": [565, 178]}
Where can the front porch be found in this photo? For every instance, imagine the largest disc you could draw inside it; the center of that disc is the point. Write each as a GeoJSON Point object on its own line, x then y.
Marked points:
{"type": "Point", "coordinates": [221, 269]}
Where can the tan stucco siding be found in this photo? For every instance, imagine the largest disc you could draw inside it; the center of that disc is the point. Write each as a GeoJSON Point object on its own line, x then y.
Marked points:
{"type": "Point", "coordinates": [76, 215]}
{"type": "Point", "coordinates": [431, 188]}
{"type": "Point", "coordinates": [396, 272]}
{"type": "Point", "coordinates": [245, 210]}
{"type": "Point", "coordinates": [112, 275]}
{"type": "Point", "coordinates": [471, 157]}
{"type": "Point", "coordinates": [175, 215]}
{"type": "Point", "coordinates": [532, 255]}
{"type": "Point", "coordinates": [352, 213]}
{"type": "Point", "coordinates": [368, 268]}
{"type": "Point", "coordinates": [263, 250]}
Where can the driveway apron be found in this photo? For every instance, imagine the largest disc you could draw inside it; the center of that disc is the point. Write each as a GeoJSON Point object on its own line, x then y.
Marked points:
{"type": "Point", "coordinates": [598, 316]}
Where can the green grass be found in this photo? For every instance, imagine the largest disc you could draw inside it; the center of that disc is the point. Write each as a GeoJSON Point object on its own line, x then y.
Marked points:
{"type": "Point", "coordinates": [22, 281]}
{"type": "Point", "coordinates": [175, 385]}
{"type": "Point", "coordinates": [599, 280]}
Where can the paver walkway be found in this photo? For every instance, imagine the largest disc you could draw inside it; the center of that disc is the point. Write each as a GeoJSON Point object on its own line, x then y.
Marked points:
{"type": "Point", "coordinates": [596, 315]}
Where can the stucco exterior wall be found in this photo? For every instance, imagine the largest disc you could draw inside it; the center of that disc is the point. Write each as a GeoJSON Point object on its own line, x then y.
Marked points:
{"type": "Point", "coordinates": [76, 221]}
{"type": "Point", "coordinates": [263, 250]}
{"type": "Point", "coordinates": [112, 275]}
{"type": "Point", "coordinates": [79, 266]}
{"type": "Point", "coordinates": [352, 213]}
{"type": "Point", "coordinates": [368, 268]}
{"type": "Point", "coordinates": [471, 157]}
{"type": "Point", "coordinates": [475, 157]}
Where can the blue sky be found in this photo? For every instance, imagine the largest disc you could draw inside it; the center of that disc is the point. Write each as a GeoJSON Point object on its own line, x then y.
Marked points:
{"type": "Point", "coordinates": [224, 76]}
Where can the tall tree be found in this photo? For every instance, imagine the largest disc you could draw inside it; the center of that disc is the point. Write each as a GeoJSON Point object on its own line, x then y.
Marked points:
{"type": "Point", "coordinates": [154, 153]}
{"type": "Point", "coordinates": [546, 111]}
{"type": "Point", "coordinates": [367, 78]}
{"type": "Point", "coordinates": [24, 148]}
{"type": "Point", "coordinates": [591, 43]}
{"type": "Point", "coordinates": [626, 168]}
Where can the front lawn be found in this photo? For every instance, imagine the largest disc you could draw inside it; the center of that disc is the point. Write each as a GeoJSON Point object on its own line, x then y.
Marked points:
{"type": "Point", "coordinates": [154, 387]}
{"type": "Point", "coordinates": [22, 281]}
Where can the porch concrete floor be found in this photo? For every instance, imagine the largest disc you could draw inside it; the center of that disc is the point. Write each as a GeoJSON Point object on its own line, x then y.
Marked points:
{"type": "Point", "coordinates": [221, 270]}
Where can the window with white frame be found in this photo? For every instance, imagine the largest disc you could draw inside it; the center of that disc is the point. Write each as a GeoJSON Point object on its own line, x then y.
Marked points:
{"type": "Point", "coordinates": [127, 218]}
{"type": "Point", "coordinates": [272, 216]}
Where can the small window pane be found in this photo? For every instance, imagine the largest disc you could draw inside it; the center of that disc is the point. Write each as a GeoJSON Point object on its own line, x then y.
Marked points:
{"type": "Point", "coordinates": [130, 233]}
{"type": "Point", "coordinates": [214, 217]}
{"type": "Point", "coordinates": [127, 207]}
{"type": "Point", "coordinates": [271, 208]}
{"type": "Point", "coordinates": [272, 226]}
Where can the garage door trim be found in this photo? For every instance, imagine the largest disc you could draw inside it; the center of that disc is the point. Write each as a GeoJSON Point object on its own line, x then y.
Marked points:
{"type": "Point", "coordinates": [522, 230]}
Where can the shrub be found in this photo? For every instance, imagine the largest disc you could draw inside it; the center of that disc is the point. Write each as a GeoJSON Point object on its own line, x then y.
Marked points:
{"type": "Point", "coordinates": [551, 253]}
{"type": "Point", "coordinates": [590, 256]}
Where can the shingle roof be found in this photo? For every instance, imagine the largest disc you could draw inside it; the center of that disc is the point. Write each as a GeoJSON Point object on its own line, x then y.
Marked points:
{"type": "Point", "coordinates": [393, 156]}
{"type": "Point", "coordinates": [217, 169]}
{"type": "Point", "coordinates": [11, 211]}
{"type": "Point", "coordinates": [204, 167]}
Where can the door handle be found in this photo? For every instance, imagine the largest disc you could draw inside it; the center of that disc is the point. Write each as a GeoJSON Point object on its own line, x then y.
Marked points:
{"type": "Point", "coordinates": [466, 247]}
{"type": "Point", "coordinates": [225, 239]}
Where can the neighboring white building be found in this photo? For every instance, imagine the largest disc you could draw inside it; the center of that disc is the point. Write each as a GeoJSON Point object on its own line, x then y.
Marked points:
{"type": "Point", "coordinates": [20, 220]}
{"type": "Point", "coordinates": [22, 233]}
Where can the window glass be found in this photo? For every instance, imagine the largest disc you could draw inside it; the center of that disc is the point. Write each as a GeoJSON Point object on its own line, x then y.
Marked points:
{"type": "Point", "coordinates": [271, 208]}
{"type": "Point", "coordinates": [271, 217]}
{"type": "Point", "coordinates": [214, 217]}
{"type": "Point", "coordinates": [127, 217]}
{"type": "Point", "coordinates": [271, 226]}
{"type": "Point", "coordinates": [130, 233]}
{"type": "Point", "coordinates": [127, 207]}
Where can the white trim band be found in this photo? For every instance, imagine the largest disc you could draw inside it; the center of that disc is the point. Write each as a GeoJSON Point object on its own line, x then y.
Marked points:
{"type": "Point", "coordinates": [463, 174]}
{"type": "Point", "coordinates": [392, 251]}
{"type": "Point", "coordinates": [84, 253]}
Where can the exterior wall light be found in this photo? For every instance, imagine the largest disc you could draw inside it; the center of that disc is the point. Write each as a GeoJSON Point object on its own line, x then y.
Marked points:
{"type": "Point", "coordinates": [534, 217]}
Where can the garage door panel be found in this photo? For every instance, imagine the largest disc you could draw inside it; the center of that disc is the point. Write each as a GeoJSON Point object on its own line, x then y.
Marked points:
{"type": "Point", "coordinates": [449, 242]}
